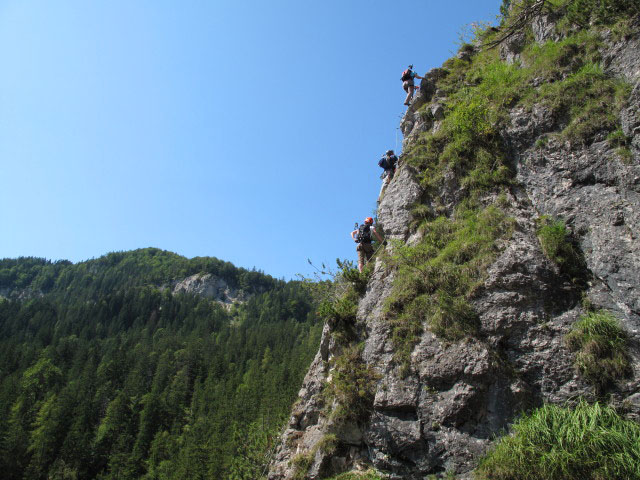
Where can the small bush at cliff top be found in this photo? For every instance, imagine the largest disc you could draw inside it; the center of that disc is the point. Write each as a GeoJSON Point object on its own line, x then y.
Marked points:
{"type": "Point", "coordinates": [601, 346]}
{"type": "Point", "coordinates": [553, 443]}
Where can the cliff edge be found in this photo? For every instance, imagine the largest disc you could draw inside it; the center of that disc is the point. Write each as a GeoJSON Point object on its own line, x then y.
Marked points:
{"type": "Point", "coordinates": [514, 215]}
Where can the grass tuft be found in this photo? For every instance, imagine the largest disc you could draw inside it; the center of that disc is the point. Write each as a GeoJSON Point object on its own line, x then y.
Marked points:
{"type": "Point", "coordinates": [352, 386]}
{"type": "Point", "coordinates": [553, 443]}
{"type": "Point", "coordinates": [601, 346]}
{"type": "Point", "coordinates": [302, 463]}
{"type": "Point", "coordinates": [557, 246]}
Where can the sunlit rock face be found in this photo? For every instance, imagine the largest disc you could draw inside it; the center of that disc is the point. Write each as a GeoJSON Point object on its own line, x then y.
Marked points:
{"type": "Point", "coordinates": [443, 412]}
{"type": "Point", "coordinates": [208, 286]}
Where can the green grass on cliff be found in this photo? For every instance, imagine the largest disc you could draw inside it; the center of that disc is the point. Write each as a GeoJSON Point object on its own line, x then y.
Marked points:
{"type": "Point", "coordinates": [552, 443]}
{"type": "Point", "coordinates": [436, 278]}
{"type": "Point", "coordinates": [557, 246]}
{"type": "Point", "coordinates": [467, 155]}
{"type": "Point", "coordinates": [601, 347]}
{"type": "Point", "coordinates": [564, 77]}
{"type": "Point", "coordinates": [352, 388]}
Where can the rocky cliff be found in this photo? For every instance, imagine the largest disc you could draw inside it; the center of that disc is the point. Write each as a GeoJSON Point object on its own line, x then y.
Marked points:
{"type": "Point", "coordinates": [209, 286]}
{"type": "Point", "coordinates": [462, 322]}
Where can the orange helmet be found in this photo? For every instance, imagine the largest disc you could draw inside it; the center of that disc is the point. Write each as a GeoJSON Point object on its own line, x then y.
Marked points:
{"type": "Point", "coordinates": [368, 220]}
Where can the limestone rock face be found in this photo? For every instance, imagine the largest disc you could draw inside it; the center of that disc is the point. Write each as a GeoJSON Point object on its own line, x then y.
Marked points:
{"type": "Point", "coordinates": [442, 414]}
{"type": "Point", "coordinates": [208, 286]}
{"type": "Point", "coordinates": [510, 49]}
{"type": "Point", "coordinates": [20, 294]}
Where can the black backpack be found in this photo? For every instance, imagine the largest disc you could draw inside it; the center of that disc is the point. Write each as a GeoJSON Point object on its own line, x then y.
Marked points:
{"type": "Point", "coordinates": [384, 163]}
{"type": "Point", "coordinates": [406, 75]}
{"type": "Point", "coordinates": [364, 234]}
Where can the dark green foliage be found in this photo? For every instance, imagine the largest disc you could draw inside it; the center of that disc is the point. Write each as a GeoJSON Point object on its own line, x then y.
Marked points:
{"type": "Point", "coordinates": [504, 8]}
{"type": "Point", "coordinates": [617, 138]}
{"type": "Point", "coordinates": [350, 274]}
{"type": "Point", "coordinates": [601, 349]}
{"type": "Point", "coordinates": [436, 278]}
{"type": "Point", "coordinates": [340, 312]}
{"type": "Point", "coordinates": [109, 376]}
{"type": "Point", "coordinates": [121, 270]}
{"type": "Point", "coordinates": [584, 12]}
{"type": "Point", "coordinates": [338, 299]}
{"type": "Point", "coordinates": [553, 443]}
{"type": "Point", "coordinates": [557, 246]}
{"type": "Point", "coordinates": [573, 13]}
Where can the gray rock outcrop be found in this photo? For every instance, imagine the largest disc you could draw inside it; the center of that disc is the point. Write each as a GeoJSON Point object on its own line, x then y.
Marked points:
{"type": "Point", "coordinates": [208, 286]}
{"type": "Point", "coordinates": [443, 413]}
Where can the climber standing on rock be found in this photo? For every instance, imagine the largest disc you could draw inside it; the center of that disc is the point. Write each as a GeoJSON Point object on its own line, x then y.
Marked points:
{"type": "Point", "coordinates": [362, 236]}
{"type": "Point", "coordinates": [407, 83]}
{"type": "Point", "coordinates": [388, 163]}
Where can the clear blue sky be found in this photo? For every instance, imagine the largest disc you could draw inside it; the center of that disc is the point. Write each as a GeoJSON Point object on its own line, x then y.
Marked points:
{"type": "Point", "coordinates": [245, 130]}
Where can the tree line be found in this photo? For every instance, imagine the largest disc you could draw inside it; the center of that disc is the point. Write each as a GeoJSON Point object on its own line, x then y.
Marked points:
{"type": "Point", "coordinates": [104, 374]}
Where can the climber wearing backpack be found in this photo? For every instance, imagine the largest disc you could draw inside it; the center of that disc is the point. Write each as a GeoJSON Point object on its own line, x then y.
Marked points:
{"type": "Point", "coordinates": [388, 163]}
{"type": "Point", "coordinates": [407, 83]}
{"type": "Point", "coordinates": [362, 236]}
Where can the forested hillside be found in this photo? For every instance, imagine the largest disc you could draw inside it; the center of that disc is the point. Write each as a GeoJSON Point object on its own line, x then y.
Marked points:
{"type": "Point", "coordinates": [106, 372]}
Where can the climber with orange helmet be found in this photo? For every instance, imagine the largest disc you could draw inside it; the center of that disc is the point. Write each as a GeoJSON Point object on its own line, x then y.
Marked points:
{"type": "Point", "coordinates": [362, 236]}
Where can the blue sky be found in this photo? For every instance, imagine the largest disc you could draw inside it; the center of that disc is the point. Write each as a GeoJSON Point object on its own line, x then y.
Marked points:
{"type": "Point", "coordinates": [245, 130]}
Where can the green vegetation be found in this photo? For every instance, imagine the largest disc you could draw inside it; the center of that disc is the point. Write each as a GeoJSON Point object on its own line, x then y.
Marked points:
{"type": "Point", "coordinates": [352, 386]}
{"type": "Point", "coordinates": [586, 12]}
{"type": "Point", "coordinates": [590, 100]}
{"type": "Point", "coordinates": [436, 278]}
{"type": "Point", "coordinates": [601, 348]}
{"type": "Point", "coordinates": [580, 13]}
{"type": "Point", "coordinates": [553, 443]}
{"type": "Point", "coordinates": [303, 461]}
{"type": "Point", "coordinates": [556, 245]}
{"type": "Point", "coordinates": [348, 394]}
{"type": "Point", "coordinates": [563, 76]}
{"type": "Point", "coordinates": [468, 144]}
{"type": "Point", "coordinates": [350, 275]}
{"type": "Point", "coordinates": [108, 375]}
{"type": "Point", "coordinates": [338, 299]}
{"type": "Point", "coordinates": [618, 140]}
{"type": "Point", "coordinates": [368, 475]}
